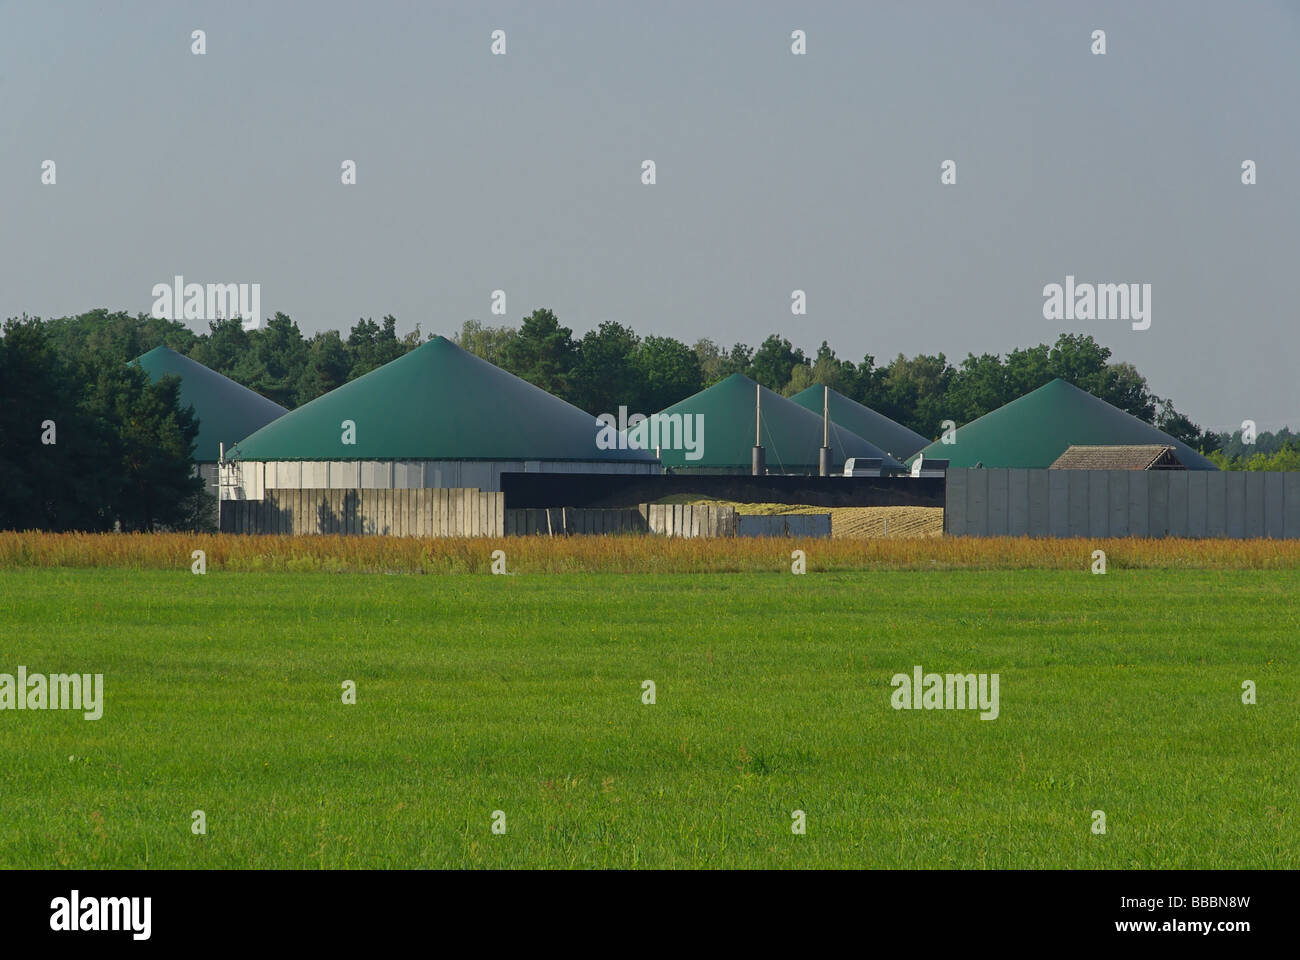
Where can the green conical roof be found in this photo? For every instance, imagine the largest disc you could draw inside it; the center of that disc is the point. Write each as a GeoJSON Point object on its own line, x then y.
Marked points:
{"type": "Point", "coordinates": [227, 411]}
{"type": "Point", "coordinates": [437, 402]}
{"type": "Point", "coordinates": [791, 435]}
{"type": "Point", "coordinates": [1035, 429]}
{"type": "Point", "coordinates": [873, 427]}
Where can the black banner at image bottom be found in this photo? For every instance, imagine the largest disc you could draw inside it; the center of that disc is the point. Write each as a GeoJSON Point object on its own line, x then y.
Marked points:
{"type": "Point", "coordinates": [134, 909]}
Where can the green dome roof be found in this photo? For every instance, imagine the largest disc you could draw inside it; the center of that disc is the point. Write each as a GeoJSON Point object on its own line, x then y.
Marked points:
{"type": "Point", "coordinates": [866, 423]}
{"type": "Point", "coordinates": [1035, 429]}
{"type": "Point", "coordinates": [227, 411]}
{"type": "Point", "coordinates": [437, 402]}
{"type": "Point", "coordinates": [791, 435]}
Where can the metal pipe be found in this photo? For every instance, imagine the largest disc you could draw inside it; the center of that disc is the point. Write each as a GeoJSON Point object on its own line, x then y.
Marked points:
{"type": "Point", "coordinates": [824, 454]}
{"type": "Point", "coordinates": [826, 416]}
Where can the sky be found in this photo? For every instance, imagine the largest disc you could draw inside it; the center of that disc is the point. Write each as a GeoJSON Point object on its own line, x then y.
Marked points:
{"type": "Point", "coordinates": [775, 172]}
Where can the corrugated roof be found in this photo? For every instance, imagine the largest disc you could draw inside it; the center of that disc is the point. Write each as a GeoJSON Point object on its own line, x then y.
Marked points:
{"type": "Point", "coordinates": [792, 435]}
{"type": "Point", "coordinates": [227, 411]}
{"type": "Point", "coordinates": [1034, 430]}
{"type": "Point", "coordinates": [875, 428]}
{"type": "Point", "coordinates": [437, 402]}
{"type": "Point", "coordinates": [1153, 456]}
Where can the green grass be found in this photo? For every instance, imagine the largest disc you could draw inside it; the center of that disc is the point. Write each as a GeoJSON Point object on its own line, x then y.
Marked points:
{"type": "Point", "coordinates": [523, 694]}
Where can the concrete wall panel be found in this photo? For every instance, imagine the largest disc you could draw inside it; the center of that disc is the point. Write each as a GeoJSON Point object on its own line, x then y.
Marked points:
{"type": "Point", "coordinates": [1138, 507]}
{"type": "Point", "coordinates": [998, 492]}
{"type": "Point", "coordinates": [1274, 517]}
{"type": "Point", "coordinates": [1178, 500]}
{"type": "Point", "coordinates": [977, 503]}
{"type": "Point", "coordinates": [1157, 503]}
{"type": "Point", "coordinates": [1017, 503]}
{"type": "Point", "coordinates": [1198, 508]}
{"type": "Point", "coordinates": [1254, 504]}
{"type": "Point", "coordinates": [954, 502]}
{"type": "Point", "coordinates": [1291, 505]}
{"type": "Point", "coordinates": [1235, 484]}
{"type": "Point", "coordinates": [1058, 503]}
{"type": "Point", "coordinates": [1117, 483]}
{"type": "Point", "coordinates": [1077, 483]}
{"type": "Point", "coordinates": [1039, 504]}
{"type": "Point", "coordinates": [1098, 503]}
{"type": "Point", "coordinates": [1216, 504]}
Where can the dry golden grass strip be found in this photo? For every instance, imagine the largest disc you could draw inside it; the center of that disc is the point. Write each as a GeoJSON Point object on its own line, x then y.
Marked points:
{"type": "Point", "coordinates": [623, 554]}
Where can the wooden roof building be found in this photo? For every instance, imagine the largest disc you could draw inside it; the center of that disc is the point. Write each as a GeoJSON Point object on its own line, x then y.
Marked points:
{"type": "Point", "coordinates": [1146, 456]}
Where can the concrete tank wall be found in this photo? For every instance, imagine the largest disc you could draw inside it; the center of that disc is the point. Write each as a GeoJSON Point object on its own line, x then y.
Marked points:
{"type": "Point", "coordinates": [250, 479]}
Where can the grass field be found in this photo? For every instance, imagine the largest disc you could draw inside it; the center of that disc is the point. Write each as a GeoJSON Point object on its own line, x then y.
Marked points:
{"type": "Point", "coordinates": [479, 693]}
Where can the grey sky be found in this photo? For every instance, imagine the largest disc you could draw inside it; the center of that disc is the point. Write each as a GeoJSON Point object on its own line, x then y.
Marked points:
{"type": "Point", "coordinates": [775, 172]}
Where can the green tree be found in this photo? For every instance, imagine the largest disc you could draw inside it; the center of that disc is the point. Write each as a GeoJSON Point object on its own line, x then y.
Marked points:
{"type": "Point", "coordinates": [487, 343]}
{"type": "Point", "coordinates": [801, 378]}
{"type": "Point", "coordinates": [372, 345]}
{"type": "Point", "coordinates": [122, 450]}
{"type": "Point", "coordinates": [43, 484]}
{"type": "Point", "coordinates": [223, 347]}
{"type": "Point", "coordinates": [1120, 385]}
{"type": "Point", "coordinates": [607, 372]}
{"type": "Point", "coordinates": [99, 336]}
{"type": "Point", "coordinates": [1177, 425]}
{"type": "Point", "coordinates": [669, 372]}
{"type": "Point", "coordinates": [914, 392]}
{"type": "Point", "coordinates": [977, 386]}
{"type": "Point", "coordinates": [830, 371]}
{"type": "Point", "coordinates": [774, 361]}
{"type": "Point", "coordinates": [1266, 442]}
{"type": "Point", "coordinates": [867, 385]}
{"type": "Point", "coordinates": [326, 368]}
{"type": "Point", "coordinates": [739, 359]}
{"type": "Point", "coordinates": [150, 442]}
{"type": "Point", "coordinates": [1078, 359]}
{"type": "Point", "coordinates": [275, 361]}
{"type": "Point", "coordinates": [711, 358]}
{"type": "Point", "coordinates": [1028, 369]}
{"type": "Point", "coordinates": [543, 353]}
{"type": "Point", "coordinates": [1286, 457]}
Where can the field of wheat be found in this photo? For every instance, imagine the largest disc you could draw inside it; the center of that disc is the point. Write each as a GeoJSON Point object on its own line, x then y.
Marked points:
{"type": "Point", "coordinates": [624, 554]}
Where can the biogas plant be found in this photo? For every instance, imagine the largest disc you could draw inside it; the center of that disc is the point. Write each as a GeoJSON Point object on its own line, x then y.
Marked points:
{"type": "Point", "coordinates": [441, 442]}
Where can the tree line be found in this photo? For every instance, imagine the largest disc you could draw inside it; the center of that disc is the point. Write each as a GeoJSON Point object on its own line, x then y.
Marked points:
{"type": "Point", "coordinates": [122, 450]}
{"type": "Point", "coordinates": [88, 445]}
{"type": "Point", "coordinates": [612, 365]}
{"type": "Point", "coordinates": [1269, 451]}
